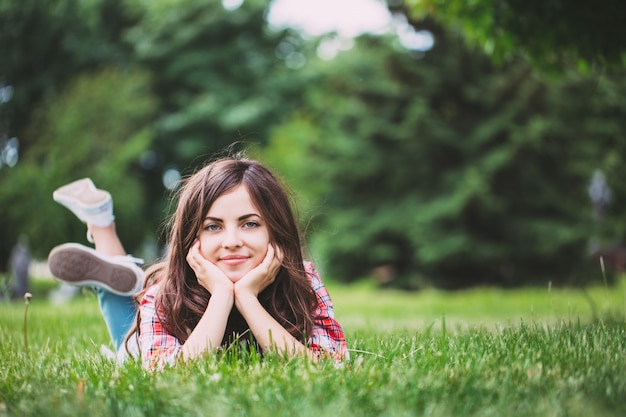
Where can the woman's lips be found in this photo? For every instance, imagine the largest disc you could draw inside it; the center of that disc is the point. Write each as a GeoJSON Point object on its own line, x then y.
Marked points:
{"type": "Point", "coordinates": [232, 260]}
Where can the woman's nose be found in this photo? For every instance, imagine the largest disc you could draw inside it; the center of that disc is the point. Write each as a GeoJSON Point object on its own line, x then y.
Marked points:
{"type": "Point", "coordinates": [232, 239]}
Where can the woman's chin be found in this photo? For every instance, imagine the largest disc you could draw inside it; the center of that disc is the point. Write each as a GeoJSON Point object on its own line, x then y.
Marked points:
{"type": "Point", "coordinates": [234, 278]}
{"type": "Point", "coordinates": [235, 274]}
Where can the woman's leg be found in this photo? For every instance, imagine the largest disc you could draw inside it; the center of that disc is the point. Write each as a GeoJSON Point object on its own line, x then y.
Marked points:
{"type": "Point", "coordinates": [106, 268]}
{"type": "Point", "coordinates": [118, 310]}
{"type": "Point", "coordinates": [119, 313]}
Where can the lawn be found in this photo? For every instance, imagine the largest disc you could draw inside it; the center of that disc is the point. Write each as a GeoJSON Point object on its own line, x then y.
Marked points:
{"type": "Point", "coordinates": [482, 352]}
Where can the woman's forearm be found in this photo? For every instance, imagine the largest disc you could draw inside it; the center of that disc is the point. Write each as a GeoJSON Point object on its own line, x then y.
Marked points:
{"type": "Point", "coordinates": [209, 332]}
{"type": "Point", "coordinates": [268, 332]}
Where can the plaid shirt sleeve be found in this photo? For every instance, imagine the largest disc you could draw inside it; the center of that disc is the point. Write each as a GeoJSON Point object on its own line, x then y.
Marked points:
{"type": "Point", "coordinates": [327, 338]}
{"type": "Point", "coordinates": [158, 348]}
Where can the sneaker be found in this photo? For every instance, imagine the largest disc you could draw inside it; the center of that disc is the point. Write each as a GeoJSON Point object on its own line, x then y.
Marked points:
{"type": "Point", "coordinates": [75, 264]}
{"type": "Point", "coordinates": [88, 203]}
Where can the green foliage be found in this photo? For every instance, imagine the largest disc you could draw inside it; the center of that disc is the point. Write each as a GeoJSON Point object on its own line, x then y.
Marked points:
{"type": "Point", "coordinates": [446, 170]}
{"type": "Point", "coordinates": [216, 74]}
{"type": "Point", "coordinates": [45, 44]}
{"type": "Point", "coordinates": [96, 128]}
{"type": "Point", "coordinates": [553, 34]}
{"type": "Point", "coordinates": [572, 368]}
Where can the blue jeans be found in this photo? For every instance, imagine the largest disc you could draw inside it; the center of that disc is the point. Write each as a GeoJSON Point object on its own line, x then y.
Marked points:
{"type": "Point", "coordinates": [119, 314]}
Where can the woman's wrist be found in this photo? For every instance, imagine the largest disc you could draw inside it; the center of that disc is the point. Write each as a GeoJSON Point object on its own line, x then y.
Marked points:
{"type": "Point", "coordinates": [224, 293]}
{"type": "Point", "coordinates": [244, 299]}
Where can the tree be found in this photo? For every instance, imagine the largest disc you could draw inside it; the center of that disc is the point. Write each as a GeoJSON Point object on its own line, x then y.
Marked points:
{"type": "Point", "coordinates": [45, 44]}
{"type": "Point", "coordinates": [445, 170]}
{"type": "Point", "coordinates": [97, 128]}
{"type": "Point", "coordinates": [551, 33]}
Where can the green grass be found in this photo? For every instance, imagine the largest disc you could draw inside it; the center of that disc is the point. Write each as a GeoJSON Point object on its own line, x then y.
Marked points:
{"type": "Point", "coordinates": [361, 305]}
{"type": "Point", "coordinates": [484, 352]}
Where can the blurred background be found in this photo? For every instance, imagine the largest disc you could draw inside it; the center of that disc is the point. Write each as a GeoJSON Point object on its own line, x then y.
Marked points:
{"type": "Point", "coordinates": [428, 143]}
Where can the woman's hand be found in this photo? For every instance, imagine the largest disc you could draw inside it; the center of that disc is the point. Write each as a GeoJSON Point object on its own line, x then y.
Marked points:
{"type": "Point", "coordinates": [208, 274]}
{"type": "Point", "coordinates": [260, 277]}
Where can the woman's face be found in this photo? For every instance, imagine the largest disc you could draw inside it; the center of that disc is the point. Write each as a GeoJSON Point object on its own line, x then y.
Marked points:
{"type": "Point", "coordinates": [234, 236]}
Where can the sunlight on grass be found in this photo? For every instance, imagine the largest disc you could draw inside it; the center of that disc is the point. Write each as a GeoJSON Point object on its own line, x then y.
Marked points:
{"type": "Point", "coordinates": [362, 305]}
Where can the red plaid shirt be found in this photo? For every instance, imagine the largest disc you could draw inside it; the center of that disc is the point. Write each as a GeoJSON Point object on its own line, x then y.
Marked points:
{"type": "Point", "coordinates": [159, 348]}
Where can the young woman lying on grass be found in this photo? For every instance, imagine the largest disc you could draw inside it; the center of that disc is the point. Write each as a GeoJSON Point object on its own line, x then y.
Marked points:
{"type": "Point", "coordinates": [233, 271]}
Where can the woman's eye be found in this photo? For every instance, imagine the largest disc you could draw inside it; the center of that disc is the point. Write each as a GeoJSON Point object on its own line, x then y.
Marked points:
{"type": "Point", "coordinates": [250, 225]}
{"type": "Point", "coordinates": [211, 227]}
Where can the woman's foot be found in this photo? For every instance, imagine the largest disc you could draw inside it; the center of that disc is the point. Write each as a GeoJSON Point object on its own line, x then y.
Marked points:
{"type": "Point", "coordinates": [90, 204]}
{"type": "Point", "coordinates": [75, 264]}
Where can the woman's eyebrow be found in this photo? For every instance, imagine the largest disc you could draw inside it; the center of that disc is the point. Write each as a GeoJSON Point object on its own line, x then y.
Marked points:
{"type": "Point", "coordinates": [213, 219]}
{"type": "Point", "coordinates": [244, 217]}
{"type": "Point", "coordinates": [247, 216]}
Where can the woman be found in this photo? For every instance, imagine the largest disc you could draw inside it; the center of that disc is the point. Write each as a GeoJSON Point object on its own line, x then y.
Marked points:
{"type": "Point", "coordinates": [233, 270]}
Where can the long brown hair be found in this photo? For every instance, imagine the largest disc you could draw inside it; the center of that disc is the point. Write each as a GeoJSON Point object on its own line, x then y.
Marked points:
{"type": "Point", "coordinates": [181, 300]}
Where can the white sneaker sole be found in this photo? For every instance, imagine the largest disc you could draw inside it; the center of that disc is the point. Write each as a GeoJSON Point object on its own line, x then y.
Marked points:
{"type": "Point", "coordinates": [76, 264]}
